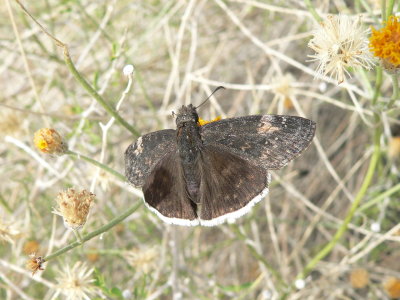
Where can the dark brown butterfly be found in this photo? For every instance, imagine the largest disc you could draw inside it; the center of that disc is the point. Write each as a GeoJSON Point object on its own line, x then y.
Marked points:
{"type": "Point", "coordinates": [204, 175]}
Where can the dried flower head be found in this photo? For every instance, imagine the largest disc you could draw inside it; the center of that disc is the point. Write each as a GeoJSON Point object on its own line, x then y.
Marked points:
{"type": "Point", "coordinates": [359, 278]}
{"type": "Point", "coordinates": [392, 287]}
{"type": "Point", "coordinates": [8, 232]}
{"type": "Point", "coordinates": [385, 44]}
{"type": "Point", "coordinates": [340, 42]}
{"type": "Point", "coordinates": [142, 259]}
{"type": "Point", "coordinates": [30, 247]}
{"type": "Point", "coordinates": [204, 122]}
{"type": "Point", "coordinates": [35, 263]}
{"type": "Point", "coordinates": [47, 140]}
{"type": "Point", "coordinates": [74, 207]}
{"type": "Point", "coordinates": [76, 283]}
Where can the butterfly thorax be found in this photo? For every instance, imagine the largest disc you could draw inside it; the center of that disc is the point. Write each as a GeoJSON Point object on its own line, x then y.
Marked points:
{"type": "Point", "coordinates": [189, 146]}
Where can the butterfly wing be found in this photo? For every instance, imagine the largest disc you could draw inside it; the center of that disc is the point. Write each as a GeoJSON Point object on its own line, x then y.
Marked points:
{"type": "Point", "coordinates": [230, 185]}
{"type": "Point", "coordinates": [270, 140]}
{"type": "Point", "coordinates": [165, 192]}
{"type": "Point", "coordinates": [146, 152]}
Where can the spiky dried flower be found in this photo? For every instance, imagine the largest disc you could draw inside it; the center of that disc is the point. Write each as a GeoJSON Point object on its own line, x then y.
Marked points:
{"type": "Point", "coordinates": [35, 263]}
{"type": "Point", "coordinates": [76, 283]}
{"type": "Point", "coordinates": [74, 207]}
{"type": "Point", "coordinates": [48, 140]}
{"type": "Point", "coordinates": [142, 259]}
{"type": "Point", "coordinates": [8, 232]}
{"type": "Point", "coordinates": [340, 42]}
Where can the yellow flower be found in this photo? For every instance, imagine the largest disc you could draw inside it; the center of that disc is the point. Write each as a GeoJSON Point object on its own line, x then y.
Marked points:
{"type": "Point", "coordinates": [392, 287]}
{"type": "Point", "coordinates": [385, 43]}
{"type": "Point", "coordinates": [47, 140]}
{"type": "Point", "coordinates": [203, 122]}
{"type": "Point", "coordinates": [74, 207]}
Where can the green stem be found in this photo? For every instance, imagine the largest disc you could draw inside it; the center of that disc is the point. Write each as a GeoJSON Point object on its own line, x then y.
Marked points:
{"type": "Point", "coordinates": [389, 8]}
{"type": "Point", "coordinates": [95, 233]}
{"type": "Point", "coordinates": [98, 164]}
{"type": "Point", "coordinates": [80, 78]}
{"type": "Point", "coordinates": [383, 9]}
{"type": "Point", "coordinates": [96, 95]}
{"type": "Point", "coordinates": [312, 11]}
{"type": "Point", "coordinates": [396, 94]}
{"type": "Point", "coordinates": [353, 208]}
{"type": "Point", "coordinates": [380, 198]}
{"type": "Point", "coordinates": [378, 84]}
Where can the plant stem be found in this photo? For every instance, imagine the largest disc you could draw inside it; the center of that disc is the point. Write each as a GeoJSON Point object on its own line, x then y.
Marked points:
{"type": "Point", "coordinates": [353, 208]}
{"type": "Point", "coordinates": [395, 95]}
{"type": "Point", "coordinates": [383, 9]}
{"type": "Point", "coordinates": [98, 164]}
{"type": "Point", "coordinates": [312, 11]}
{"type": "Point", "coordinates": [97, 232]}
{"type": "Point", "coordinates": [380, 198]}
{"type": "Point", "coordinates": [378, 84]}
{"type": "Point", "coordinates": [80, 78]}
{"type": "Point", "coordinates": [389, 8]}
{"type": "Point", "coordinates": [94, 93]}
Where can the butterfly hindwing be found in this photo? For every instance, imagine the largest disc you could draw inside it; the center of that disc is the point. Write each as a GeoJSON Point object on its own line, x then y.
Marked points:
{"type": "Point", "coordinates": [146, 152]}
{"type": "Point", "coordinates": [229, 186]}
{"type": "Point", "coordinates": [165, 192]}
{"type": "Point", "coordinates": [270, 140]}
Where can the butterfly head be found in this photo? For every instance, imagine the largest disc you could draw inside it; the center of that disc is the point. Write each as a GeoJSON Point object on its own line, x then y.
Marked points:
{"type": "Point", "coordinates": [187, 114]}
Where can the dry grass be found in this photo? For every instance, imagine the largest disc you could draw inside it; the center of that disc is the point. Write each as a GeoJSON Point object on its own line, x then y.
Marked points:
{"type": "Point", "coordinates": [181, 51]}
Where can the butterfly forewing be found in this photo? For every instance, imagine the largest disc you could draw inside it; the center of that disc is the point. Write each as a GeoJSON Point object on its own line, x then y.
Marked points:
{"type": "Point", "coordinates": [229, 185]}
{"type": "Point", "coordinates": [146, 152]}
{"type": "Point", "coordinates": [270, 140]}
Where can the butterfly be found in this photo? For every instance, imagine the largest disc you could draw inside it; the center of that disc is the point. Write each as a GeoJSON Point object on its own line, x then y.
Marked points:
{"type": "Point", "coordinates": [206, 175]}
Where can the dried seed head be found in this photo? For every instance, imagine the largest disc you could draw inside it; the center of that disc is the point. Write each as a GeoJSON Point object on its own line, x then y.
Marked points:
{"type": "Point", "coordinates": [30, 247]}
{"type": "Point", "coordinates": [49, 141]}
{"type": "Point", "coordinates": [74, 207]}
{"type": "Point", "coordinates": [142, 259]}
{"type": "Point", "coordinates": [359, 278]}
{"type": "Point", "coordinates": [340, 42]}
{"type": "Point", "coordinates": [35, 263]}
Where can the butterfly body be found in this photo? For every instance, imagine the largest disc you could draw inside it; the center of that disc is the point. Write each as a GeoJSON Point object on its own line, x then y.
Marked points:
{"type": "Point", "coordinates": [205, 175]}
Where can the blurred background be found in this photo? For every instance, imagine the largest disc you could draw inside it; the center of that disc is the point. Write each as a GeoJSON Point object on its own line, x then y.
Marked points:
{"type": "Point", "coordinates": [181, 51]}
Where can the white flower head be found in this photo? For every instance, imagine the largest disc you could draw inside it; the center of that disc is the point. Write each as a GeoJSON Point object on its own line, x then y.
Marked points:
{"type": "Point", "coordinates": [340, 42]}
{"type": "Point", "coordinates": [76, 282]}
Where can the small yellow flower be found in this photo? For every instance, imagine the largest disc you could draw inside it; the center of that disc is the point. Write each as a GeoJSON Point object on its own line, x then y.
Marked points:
{"type": "Point", "coordinates": [74, 207]}
{"type": "Point", "coordinates": [35, 263]}
{"type": "Point", "coordinates": [359, 278]}
{"type": "Point", "coordinates": [385, 43]}
{"type": "Point", "coordinates": [47, 140]}
{"type": "Point", "coordinates": [203, 122]}
{"type": "Point", "coordinates": [392, 287]}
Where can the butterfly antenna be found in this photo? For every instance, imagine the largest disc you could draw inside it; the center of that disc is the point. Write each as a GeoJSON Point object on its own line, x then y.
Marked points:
{"type": "Point", "coordinates": [217, 89]}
